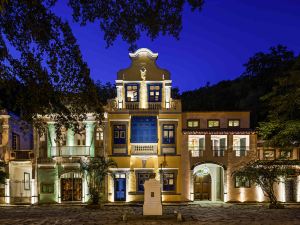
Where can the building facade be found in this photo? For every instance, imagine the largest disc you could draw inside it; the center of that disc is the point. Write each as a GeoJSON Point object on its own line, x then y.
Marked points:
{"type": "Point", "coordinates": [144, 131]}
{"type": "Point", "coordinates": [58, 162]}
{"type": "Point", "coordinates": [192, 154]}
{"type": "Point", "coordinates": [16, 150]}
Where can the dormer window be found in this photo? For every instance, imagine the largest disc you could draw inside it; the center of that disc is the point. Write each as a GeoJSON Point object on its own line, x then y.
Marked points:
{"type": "Point", "coordinates": [154, 92]}
{"type": "Point", "coordinates": [132, 92]}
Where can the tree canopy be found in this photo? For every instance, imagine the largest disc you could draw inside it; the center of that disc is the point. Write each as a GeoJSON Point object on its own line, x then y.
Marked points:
{"type": "Point", "coordinates": [267, 173]}
{"type": "Point", "coordinates": [42, 71]}
{"type": "Point", "coordinates": [244, 93]}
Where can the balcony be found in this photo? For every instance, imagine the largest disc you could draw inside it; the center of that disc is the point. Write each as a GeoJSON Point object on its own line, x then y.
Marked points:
{"type": "Point", "coordinates": [144, 149]}
{"type": "Point", "coordinates": [196, 152]}
{"type": "Point", "coordinates": [240, 151]}
{"type": "Point", "coordinates": [67, 151]}
{"type": "Point", "coordinates": [219, 151]}
{"type": "Point", "coordinates": [132, 105]}
{"type": "Point", "coordinates": [21, 155]}
{"type": "Point", "coordinates": [114, 105]}
{"type": "Point", "coordinates": [276, 153]}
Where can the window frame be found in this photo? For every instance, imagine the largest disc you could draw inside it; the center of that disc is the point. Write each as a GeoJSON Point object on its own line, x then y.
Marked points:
{"type": "Point", "coordinates": [244, 184]}
{"type": "Point", "coordinates": [26, 181]}
{"type": "Point", "coordinates": [193, 120]}
{"type": "Point", "coordinates": [165, 172]}
{"type": "Point", "coordinates": [49, 188]}
{"type": "Point", "coordinates": [15, 142]}
{"type": "Point", "coordinates": [164, 140]}
{"type": "Point", "coordinates": [155, 91]}
{"type": "Point", "coordinates": [211, 120]}
{"type": "Point", "coordinates": [138, 185]}
{"type": "Point", "coordinates": [118, 136]}
{"type": "Point", "coordinates": [126, 91]}
{"type": "Point", "coordinates": [234, 120]}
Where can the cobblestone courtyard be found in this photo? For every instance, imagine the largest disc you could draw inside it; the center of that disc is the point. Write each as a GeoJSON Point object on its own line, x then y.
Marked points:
{"type": "Point", "coordinates": [193, 214]}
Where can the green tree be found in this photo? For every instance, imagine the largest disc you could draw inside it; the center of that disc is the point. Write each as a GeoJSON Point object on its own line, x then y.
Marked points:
{"type": "Point", "coordinates": [282, 127]}
{"type": "Point", "coordinates": [244, 92]}
{"type": "Point", "coordinates": [42, 63]}
{"type": "Point", "coordinates": [267, 173]}
{"type": "Point", "coordinates": [96, 170]}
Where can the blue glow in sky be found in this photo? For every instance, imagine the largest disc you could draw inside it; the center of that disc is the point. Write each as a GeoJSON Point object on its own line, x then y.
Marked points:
{"type": "Point", "coordinates": [213, 46]}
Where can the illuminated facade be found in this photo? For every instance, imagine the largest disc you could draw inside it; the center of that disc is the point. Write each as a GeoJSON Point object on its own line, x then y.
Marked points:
{"type": "Point", "coordinates": [16, 150]}
{"type": "Point", "coordinates": [144, 130]}
{"type": "Point", "coordinates": [58, 162]}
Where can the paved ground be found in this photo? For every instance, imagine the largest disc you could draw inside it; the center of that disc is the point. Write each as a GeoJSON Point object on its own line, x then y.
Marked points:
{"type": "Point", "coordinates": [193, 214]}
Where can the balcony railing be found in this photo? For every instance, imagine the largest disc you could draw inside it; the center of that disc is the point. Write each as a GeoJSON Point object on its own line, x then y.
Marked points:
{"type": "Point", "coordinates": [196, 152]}
{"type": "Point", "coordinates": [114, 105]}
{"type": "Point", "coordinates": [269, 153]}
{"type": "Point", "coordinates": [70, 151]}
{"type": "Point", "coordinates": [21, 155]}
{"type": "Point", "coordinates": [219, 151]}
{"type": "Point", "coordinates": [132, 105]}
{"type": "Point", "coordinates": [143, 149]}
{"type": "Point", "coordinates": [241, 151]}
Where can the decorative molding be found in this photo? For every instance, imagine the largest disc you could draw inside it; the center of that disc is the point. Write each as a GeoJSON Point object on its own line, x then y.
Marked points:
{"type": "Point", "coordinates": [143, 52]}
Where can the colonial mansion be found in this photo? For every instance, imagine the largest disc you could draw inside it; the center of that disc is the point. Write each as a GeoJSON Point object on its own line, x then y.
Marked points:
{"type": "Point", "coordinates": [145, 131]}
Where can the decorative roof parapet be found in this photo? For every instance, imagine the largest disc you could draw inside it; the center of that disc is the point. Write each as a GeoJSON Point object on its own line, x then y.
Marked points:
{"type": "Point", "coordinates": [143, 52]}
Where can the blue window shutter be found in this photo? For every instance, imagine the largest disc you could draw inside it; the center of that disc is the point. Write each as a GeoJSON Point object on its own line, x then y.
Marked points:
{"type": "Point", "coordinates": [143, 129]}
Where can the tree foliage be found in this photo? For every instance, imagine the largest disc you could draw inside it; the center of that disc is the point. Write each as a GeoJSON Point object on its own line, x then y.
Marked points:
{"type": "Point", "coordinates": [267, 173]}
{"type": "Point", "coordinates": [282, 127]}
{"type": "Point", "coordinates": [42, 71]}
{"type": "Point", "coordinates": [96, 170]}
{"type": "Point", "coordinates": [244, 92]}
{"type": "Point", "coordinates": [129, 19]}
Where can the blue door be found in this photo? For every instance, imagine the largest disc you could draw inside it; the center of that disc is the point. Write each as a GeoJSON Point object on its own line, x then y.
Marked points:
{"type": "Point", "coordinates": [120, 189]}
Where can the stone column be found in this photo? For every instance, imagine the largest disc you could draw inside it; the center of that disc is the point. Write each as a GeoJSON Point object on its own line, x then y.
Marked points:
{"type": "Point", "coordinates": [51, 141]}
{"type": "Point", "coordinates": [89, 137]}
{"type": "Point", "coordinates": [191, 186]}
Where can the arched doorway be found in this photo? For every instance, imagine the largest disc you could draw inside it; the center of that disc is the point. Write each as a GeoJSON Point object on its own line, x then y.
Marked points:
{"type": "Point", "coordinates": [202, 187]}
{"type": "Point", "coordinates": [208, 182]}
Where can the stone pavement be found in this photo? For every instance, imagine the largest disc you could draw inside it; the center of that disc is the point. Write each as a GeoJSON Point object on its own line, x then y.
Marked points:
{"type": "Point", "coordinates": [193, 214]}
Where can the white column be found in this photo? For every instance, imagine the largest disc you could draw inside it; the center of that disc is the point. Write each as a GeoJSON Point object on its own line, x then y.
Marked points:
{"type": "Point", "coordinates": [89, 133]}
{"type": "Point", "coordinates": [7, 192]}
{"type": "Point", "coordinates": [70, 137]}
{"type": "Point", "coordinates": [120, 98]}
{"type": "Point", "coordinates": [51, 140]}
{"type": "Point", "coordinates": [58, 190]}
{"type": "Point", "coordinates": [225, 185]}
{"type": "Point", "coordinates": [33, 192]}
{"type": "Point", "coordinates": [281, 190]}
{"type": "Point", "coordinates": [167, 99]}
{"type": "Point", "coordinates": [298, 188]}
{"type": "Point", "coordinates": [192, 195]}
{"type": "Point", "coordinates": [143, 96]}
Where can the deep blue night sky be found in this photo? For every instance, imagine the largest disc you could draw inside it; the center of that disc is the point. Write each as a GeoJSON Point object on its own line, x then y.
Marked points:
{"type": "Point", "coordinates": [213, 45]}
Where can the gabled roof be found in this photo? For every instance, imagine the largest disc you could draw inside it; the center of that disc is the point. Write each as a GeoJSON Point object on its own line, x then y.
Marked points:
{"type": "Point", "coordinates": [143, 60]}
